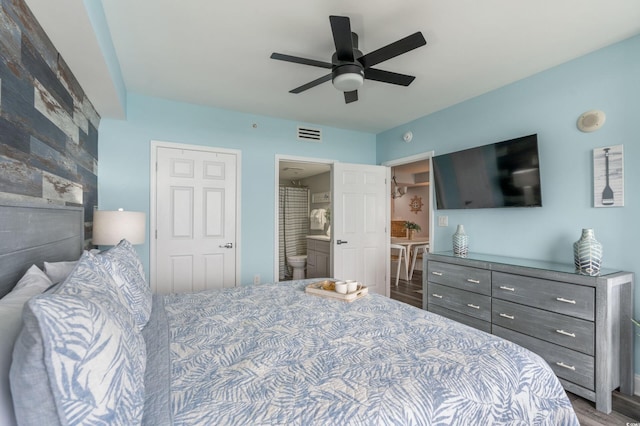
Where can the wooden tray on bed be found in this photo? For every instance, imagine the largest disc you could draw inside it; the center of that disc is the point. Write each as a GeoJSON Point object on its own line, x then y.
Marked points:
{"type": "Point", "coordinates": [323, 288]}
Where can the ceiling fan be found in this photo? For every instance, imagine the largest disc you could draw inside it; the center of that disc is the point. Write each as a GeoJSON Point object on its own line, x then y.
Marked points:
{"type": "Point", "coordinates": [349, 67]}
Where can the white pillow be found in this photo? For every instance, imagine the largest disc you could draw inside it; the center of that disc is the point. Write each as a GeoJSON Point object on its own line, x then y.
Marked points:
{"type": "Point", "coordinates": [58, 271]}
{"type": "Point", "coordinates": [33, 282]}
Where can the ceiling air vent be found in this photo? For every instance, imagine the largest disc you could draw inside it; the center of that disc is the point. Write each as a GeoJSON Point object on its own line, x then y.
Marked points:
{"type": "Point", "coordinates": [308, 134]}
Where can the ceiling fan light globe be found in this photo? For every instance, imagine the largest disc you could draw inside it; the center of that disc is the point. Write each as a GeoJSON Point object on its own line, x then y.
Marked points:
{"type": "Point", "coordinates": [348, 77]}
{"type": "Point", "coordinates": [348, 82]}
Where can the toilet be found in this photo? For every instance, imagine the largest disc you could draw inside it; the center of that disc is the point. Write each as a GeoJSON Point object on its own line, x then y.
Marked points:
{"type": "Point", "coordinates": [297, 263]}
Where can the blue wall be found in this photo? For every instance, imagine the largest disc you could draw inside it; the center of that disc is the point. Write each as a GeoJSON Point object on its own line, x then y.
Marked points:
{"type": "Point", "coordinates": [549, 104]}
{"type": "Point", "coordinates": [124, 154]}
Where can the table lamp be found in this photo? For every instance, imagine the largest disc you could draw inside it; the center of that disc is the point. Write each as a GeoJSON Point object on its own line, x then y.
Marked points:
{"type": "Point", "coordinates": [110, 227]}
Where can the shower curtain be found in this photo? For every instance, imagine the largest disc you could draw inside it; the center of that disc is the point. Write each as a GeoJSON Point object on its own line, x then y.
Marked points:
{"type": "Point", "coordinates": [294, 226]}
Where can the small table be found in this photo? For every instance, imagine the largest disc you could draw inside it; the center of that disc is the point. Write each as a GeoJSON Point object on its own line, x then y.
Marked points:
{"type": "Point", "coordinates": [409, 243]}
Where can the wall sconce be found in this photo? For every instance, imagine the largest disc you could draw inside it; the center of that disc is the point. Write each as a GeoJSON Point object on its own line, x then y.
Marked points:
{"type": "Point", "coordinates": [110, 227]}
{"type": "Point", "coordinates": [407, 137]}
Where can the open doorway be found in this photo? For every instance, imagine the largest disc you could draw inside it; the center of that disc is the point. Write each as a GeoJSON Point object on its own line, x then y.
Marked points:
{"type": "Point", "coordinates": [410, 199]}
{"type": "Point", "coordinates": [303, 229]}
{"type": "Point", "coordinates": [411, 202]}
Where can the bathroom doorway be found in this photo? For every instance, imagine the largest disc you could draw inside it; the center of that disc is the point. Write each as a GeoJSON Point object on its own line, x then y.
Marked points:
{"type": "Point", "coordinates": [304, 218]}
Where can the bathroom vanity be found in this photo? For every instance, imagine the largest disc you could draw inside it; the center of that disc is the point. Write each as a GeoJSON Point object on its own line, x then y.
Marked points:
{"type": "Point", "coordinates": [318, 256]}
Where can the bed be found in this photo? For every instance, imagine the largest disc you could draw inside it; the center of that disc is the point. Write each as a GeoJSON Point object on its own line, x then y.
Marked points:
{"type": "Point", "coordinates": [99, 348]}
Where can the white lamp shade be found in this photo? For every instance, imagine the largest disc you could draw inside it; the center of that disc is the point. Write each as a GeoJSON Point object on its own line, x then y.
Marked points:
{"type": "Point", "coordinates": [109, 227]}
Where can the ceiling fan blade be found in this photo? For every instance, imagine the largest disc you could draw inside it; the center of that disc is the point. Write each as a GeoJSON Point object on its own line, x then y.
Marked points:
{"type": "Point", "coordinates": [388, 77]}
{"type": "Point", "coordinates": [298, 60]}
{"type": "Point", "coordinates": [392, 50]}
{"type": "Point", "coordinates": [341, 28]}
{"type": "Point", "coordinates": [311, 84]}
{"type": "Point", "coordinates": [350, 97]}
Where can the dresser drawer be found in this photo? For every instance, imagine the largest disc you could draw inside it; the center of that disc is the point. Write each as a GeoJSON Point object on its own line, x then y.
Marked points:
{"type": "Point", "coordinates": [464, 319]}
{"type": "Point", "coordinates": [563, 330]}
{"type": "Point", "coordinates": [563, 298]}
{"type": "Point", "coordinates": [465, 302]}
{"type": "Point", "coordinates": [570, 365]}
{"type": "Point", "coordinates": [462, 277]}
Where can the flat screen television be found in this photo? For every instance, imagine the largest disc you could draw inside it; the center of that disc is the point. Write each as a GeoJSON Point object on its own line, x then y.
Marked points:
{"type": "Point", "coordinates": [503, 174]}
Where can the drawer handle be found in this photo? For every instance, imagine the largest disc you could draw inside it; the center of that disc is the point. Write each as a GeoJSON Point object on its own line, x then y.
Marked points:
{"type": "Point", "coordinates": [473, 281]}
{"type": "Point", "coordinates": [566, 333]}
{"type": "Point", "coordinates": [471, 305]}
{"type": "Point", "coordinates": [504, 287]}
{"type": "Point", "coordinates": [507, 316]}
{"type": "Point", "coordinates": [563, 300]}
{"type": "Point", "coordinates": [436, 273]}
{"type": "Point", "coordinates": [568, 367]}
{"type": "Point", "coordinates": [437, 295]}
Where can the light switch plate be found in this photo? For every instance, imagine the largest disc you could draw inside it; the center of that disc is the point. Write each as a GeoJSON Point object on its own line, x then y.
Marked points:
{"type": "Point", "coordinates": [443, 220]}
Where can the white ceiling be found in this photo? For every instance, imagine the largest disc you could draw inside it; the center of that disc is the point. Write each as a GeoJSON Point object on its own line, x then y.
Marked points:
{"type": "Point", "coordinates": [217, 53]}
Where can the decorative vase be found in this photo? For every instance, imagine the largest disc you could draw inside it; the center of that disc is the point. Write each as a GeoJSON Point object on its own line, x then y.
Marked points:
{"type": "Point", "coordinates": [587, 253]}
{"type": "Point", "coordinates": [460, 242]}
{"type": "Point", "coordinates": [411, 232]}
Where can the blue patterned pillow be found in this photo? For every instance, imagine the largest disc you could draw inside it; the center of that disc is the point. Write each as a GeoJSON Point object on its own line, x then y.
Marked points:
{"type": "Point", "coordinates": [90, 279]}
{"type": "Point", "coordinates": [124, 265]}
{"type": "Point", "coordinates": [77, 361]}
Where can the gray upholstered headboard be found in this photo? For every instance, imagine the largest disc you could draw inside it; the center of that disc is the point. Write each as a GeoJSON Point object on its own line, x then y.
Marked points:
{"type": "Point", "coordinates": [34, 233]}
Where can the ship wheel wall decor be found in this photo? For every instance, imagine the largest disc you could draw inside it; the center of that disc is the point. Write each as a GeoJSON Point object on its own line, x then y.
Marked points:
{"type": "Point", "coordinates": [416, 204]}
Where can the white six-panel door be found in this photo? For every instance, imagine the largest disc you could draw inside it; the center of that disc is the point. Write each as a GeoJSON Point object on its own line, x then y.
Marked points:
{"type": "Point", "coordinates": [359, 217]}
{"type": "Point", "coordinates": [195, 212]}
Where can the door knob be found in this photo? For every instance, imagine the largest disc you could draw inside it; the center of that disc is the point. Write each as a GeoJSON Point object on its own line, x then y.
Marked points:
{"type": "Point", "coordinates": [341, 242]}
{"type": "Point", "coordinates": [228, 245]}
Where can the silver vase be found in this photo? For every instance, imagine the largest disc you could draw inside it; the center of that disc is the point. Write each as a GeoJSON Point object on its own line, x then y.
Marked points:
{"type": "Point", "coordinates": [587, 253]}
{"type": "Point", "coordinates": [460, 242]}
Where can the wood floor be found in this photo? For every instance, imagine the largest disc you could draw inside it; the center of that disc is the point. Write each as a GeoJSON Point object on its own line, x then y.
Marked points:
{"type": "Point", "coordinates": [626, 409]}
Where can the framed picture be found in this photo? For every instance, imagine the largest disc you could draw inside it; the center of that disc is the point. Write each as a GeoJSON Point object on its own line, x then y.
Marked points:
{"type": "Point", "coordinates": [608, 176]}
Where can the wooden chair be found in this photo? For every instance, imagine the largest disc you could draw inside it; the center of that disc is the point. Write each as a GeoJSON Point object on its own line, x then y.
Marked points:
{"type": "Point", "coordinates": [399, 254]}
{"type": "Point", "coordinates": [418, 252]}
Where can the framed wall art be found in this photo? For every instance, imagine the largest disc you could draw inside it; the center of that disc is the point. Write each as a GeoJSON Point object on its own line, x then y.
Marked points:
{"type": "Point", "coordinates": [608, 176]}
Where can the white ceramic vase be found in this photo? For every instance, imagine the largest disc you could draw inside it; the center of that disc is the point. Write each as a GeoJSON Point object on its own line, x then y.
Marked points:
{"type": "Point", "coordinates": [460, 242]}
{"type": "Point", "coordinates": [587, 253]}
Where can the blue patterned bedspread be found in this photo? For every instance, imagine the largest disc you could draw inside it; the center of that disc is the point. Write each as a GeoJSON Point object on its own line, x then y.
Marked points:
{"type": "Point", "coordinates": [273, 354]}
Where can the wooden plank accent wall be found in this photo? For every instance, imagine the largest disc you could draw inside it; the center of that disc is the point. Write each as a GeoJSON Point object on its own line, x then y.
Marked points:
{"type": "Point", "coordinates": [48, 126]}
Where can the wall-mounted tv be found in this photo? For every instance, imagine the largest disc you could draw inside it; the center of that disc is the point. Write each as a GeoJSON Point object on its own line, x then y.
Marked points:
{"type": "Point", "coordinates": [503, 174]}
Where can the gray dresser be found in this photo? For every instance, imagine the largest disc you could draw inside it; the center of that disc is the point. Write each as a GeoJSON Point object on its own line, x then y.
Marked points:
{"type": "Point", "coordinates": [581, 325]}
